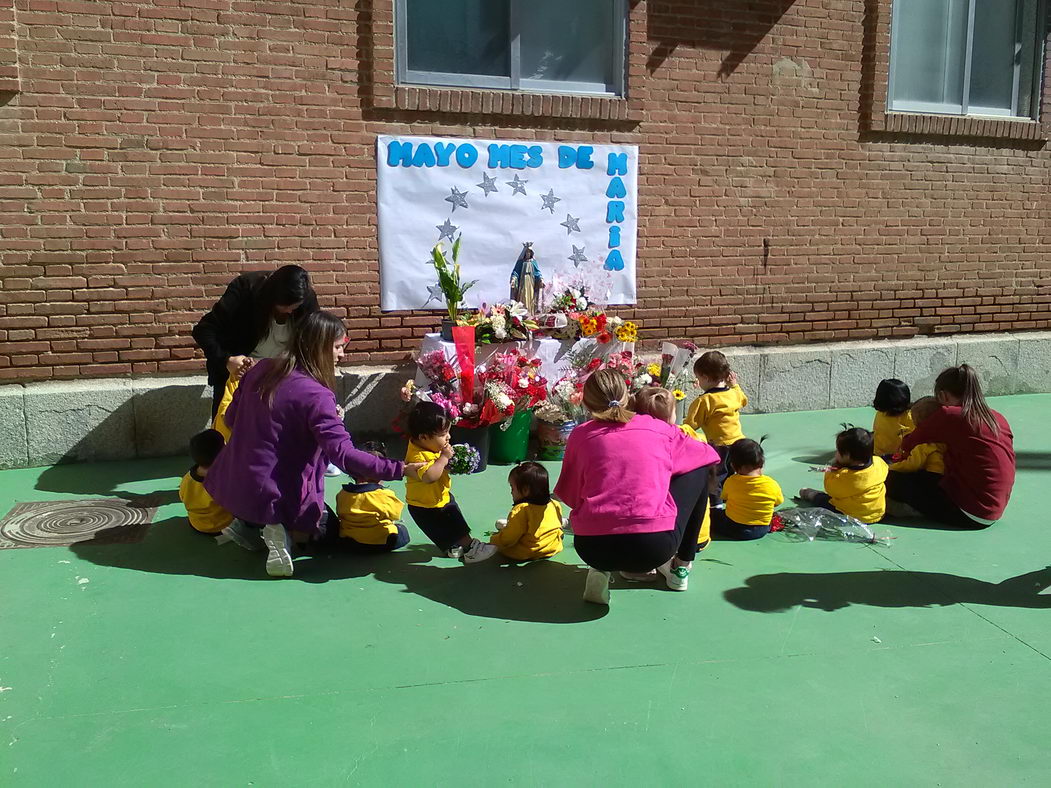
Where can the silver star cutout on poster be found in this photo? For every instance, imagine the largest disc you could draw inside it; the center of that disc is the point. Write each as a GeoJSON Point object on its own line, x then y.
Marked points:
{"type": "Point", "coordinates": [578, 257]}
{"type": "Point", "coordinates": [571, 224]}
{"type": "Point", "coordinates": [457, 198]}
{"type": "Point", "coordinates": [435, 294]}
{"type": "Point", "coordinates": [517, 186]}
{"type": "Point", "coordinates": [488, 184]}
{"type": "Point", "coordinates": [447, 230]}
{"type": "Point", "coordinates": [549, 200]}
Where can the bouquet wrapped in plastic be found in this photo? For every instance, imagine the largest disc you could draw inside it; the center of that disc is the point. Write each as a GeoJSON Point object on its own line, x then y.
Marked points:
{"type": "Point", "coordinates": [815, 523]}
{"type": "Point", "coordinates": [465, 459]}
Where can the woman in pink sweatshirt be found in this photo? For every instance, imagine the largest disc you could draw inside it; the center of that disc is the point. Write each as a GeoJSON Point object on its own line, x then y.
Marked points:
{"type": "Point", "coordinates": [637, 487]}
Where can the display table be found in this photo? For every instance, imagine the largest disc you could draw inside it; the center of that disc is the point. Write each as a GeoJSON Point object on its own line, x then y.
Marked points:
{"type": "Point", "coordinates": [554, 354]}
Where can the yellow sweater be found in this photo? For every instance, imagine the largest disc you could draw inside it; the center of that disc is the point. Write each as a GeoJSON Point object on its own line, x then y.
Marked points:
{"type": "Point", "coordinates": [861, 493]}
{"type": "Point", "coordinates": [367, 512]}
{"type": "Point", "coordinates": [532, 531]}
{"type": "Point", "coordinates": [717, 413]}
{"type": "Point", "coordinates": [219, 422]}
{"type": "Point", "coordinates": [205, 514]}
{"type": "Point", "coordinates": [704, 536]}
{"type": "Point", "coordinates": [750, 500]}
{"type": "Point", "coordinates": [887, 432]}
{"type": "Point", "coordinates": [923, 457]}
{"type": "Point", "coordinates": [427, 495]}
{"type": "Point", "coordinates": [693, 433]}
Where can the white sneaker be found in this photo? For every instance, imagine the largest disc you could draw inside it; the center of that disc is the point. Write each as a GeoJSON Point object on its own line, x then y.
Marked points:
{"type": "Point", "coordinates": [456, 551]}
{"type": "Point", "coordinates": [678, 579]}
{"type": "Point", "coordinates": [596, 587]}
{"type": "Point", "coordinates": [279, 559]}
{"type": "Point", "coordinates": [479, 551]}
{"type": "Point", "coordinates": [640, 577]}
{"type": "Point", "coordinates": [242, 536]}
{"type": "Point", "coordinates": [332, 470]}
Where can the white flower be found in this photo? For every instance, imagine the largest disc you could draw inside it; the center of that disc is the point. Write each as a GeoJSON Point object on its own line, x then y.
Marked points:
{"type": "Point", "coordinates": [499, 326]}
{"type": "Point", "coordinates": [516, 309]}
{"type": "Point", "coordinates": [469, 409]}
{"type": "Point", "coordinates": [574, 292]}
{"type": "Point", "coordinates": [644, 379]}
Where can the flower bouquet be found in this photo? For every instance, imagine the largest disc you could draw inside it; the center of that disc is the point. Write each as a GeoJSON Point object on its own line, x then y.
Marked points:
{"type": "Point", "coordinates": [508, 322]}
{"type": "Point", "coordinates": [465, 459]}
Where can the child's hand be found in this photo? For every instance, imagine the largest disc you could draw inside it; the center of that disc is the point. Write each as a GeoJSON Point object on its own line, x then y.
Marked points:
{"type": "Point", "coordinates": [731, 379]}
{"type": "Point", "coordinates": [501, 525]}
{"type": "Point", "coordinates": [447, 451]}
{"type": "Point", "coordinates": [340, 412]}
{"type": "Point", "coordinates": [238, 365]}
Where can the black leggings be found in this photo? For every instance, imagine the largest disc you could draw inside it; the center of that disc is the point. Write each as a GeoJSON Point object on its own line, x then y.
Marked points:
{"type": "Point", "coordinates": [922, 491]}
{"type": "Point", "coordinates": [643, 552]}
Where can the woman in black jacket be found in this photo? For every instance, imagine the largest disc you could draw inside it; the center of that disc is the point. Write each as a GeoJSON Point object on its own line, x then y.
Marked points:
{"type": "Point", "coordinates": [253, 319]}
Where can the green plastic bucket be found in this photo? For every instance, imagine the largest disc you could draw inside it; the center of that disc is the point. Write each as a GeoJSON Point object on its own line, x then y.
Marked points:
{"type": "Point", "coordinates": [509, 441]}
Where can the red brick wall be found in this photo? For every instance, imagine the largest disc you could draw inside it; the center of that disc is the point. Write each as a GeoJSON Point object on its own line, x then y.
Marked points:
{"type": "Point", "coordinates": [155, 149]}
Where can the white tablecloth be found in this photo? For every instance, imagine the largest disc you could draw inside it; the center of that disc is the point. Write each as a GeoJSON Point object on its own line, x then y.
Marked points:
{"type": "Point", "coordinates": [553, 353]}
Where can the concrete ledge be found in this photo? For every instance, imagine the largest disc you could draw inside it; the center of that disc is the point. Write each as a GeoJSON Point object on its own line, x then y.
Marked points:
{"type": "Point", "coordinates": [113, 419]}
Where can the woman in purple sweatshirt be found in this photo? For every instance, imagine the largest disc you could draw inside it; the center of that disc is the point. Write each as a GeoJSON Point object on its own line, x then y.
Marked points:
{"type": "Point", "coordinates": [638, 488]}
{"type": "Point", "coordinates": [285, 424]}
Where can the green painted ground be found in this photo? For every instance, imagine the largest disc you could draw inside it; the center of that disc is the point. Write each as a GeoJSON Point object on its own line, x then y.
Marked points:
{"type": "Point", "coordinates": [179, 662]}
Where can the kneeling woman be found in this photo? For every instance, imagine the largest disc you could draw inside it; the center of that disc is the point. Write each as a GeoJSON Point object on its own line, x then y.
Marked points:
{"type": "Point", "coordinates": [638, 488]}
{"type": "Point", "coordinates": [285, 423]}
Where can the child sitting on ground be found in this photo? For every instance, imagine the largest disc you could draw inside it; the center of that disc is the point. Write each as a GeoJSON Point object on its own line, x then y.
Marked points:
{"type": "Point", "coordinates": [428, 493]}
{"type": "Point", "coordinates": [533, 529]}
{"type": "Point", "coordinates": [750, 496]}
{"type": "Point", "coordinates": [893, 420]}
{"type": "Point", "coordinates": [660, 404]}
{"type": "Point", "coordinates": [929, 457]}
{"type": "Point", "coordinates": [855, 483]}
{"type": "Point", "coordinates": [369, 513]}
{"type": "Point", "coordinates": [717, 411]}
{"type": "Point", "coordinates": [205, 515]}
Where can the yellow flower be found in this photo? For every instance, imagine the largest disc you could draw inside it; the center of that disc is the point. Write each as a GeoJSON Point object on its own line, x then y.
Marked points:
{"type": "Point", "coordinates": [628, 332]}
{"type": "Point", "coordinates": [654, 370]}
{"type": "Point", "coordinates": [588, 326]}
{"type": "Point", "coordinates": [679, 394]}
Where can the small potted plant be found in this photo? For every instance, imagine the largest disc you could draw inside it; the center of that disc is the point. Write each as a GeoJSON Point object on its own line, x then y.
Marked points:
{"type": "Point", "coordinates": [451, 283]}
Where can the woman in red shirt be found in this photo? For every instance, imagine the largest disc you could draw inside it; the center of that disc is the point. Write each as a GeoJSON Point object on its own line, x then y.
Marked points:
{"type": "Point", "coordinates": [979, 457]}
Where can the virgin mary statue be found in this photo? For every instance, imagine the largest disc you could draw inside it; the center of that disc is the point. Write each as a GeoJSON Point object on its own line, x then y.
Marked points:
{"type": "Point", "coordinates": [526, 280]}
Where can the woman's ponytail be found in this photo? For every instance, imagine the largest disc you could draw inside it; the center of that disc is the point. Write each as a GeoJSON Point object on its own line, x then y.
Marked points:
{"type": "Point", "coordinates": [606, 396]}
{"type": "Point", "coordinates": [962, 382]}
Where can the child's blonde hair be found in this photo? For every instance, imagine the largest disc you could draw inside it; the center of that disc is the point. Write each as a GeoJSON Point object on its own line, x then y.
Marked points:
{"type": "Point", "coordinates": [655, 401]}
{"type": "Point", "coordinates": [606, 396]}
{"type": "Point", "coordinates": [923, 408]}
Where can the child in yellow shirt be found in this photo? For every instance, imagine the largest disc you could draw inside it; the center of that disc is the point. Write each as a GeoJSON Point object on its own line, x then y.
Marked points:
{"type": "Point", "coordinates": [429, 493]}
{"type": "Point", "coordinates": [717, 411]}
{"type": "Point", "coordinates": [205, 515]}
{"type": "Point", "coordinates": [369, 513]}
{"type": "Point", "coordinates": [855, 483]}
{"type": "Point", "coordinates": [893, 420]}
{"type": "Point", "coordinates": [929, 457]}
{"type": "Point", "coordinates": [750, 495]}
{"type": "Point", "coordinates": [660, 404]}
{"type": "Point", "coordinates": [533, 529]}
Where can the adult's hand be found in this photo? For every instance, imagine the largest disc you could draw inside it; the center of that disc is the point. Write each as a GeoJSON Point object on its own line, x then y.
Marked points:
{"type": "Point", "coordinates": [238, 365]}
{"type": "Point", "coordinates": [412, 470]}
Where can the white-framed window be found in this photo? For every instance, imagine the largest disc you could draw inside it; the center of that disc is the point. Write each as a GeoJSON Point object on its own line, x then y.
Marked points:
{"type": "Point", "coordinates": [967, 57]}
{"type": "Point", "coordinates": [545, 46]}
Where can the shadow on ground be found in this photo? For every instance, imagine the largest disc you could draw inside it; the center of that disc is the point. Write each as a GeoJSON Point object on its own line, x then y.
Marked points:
{"type": "Point", "coordinates": [101, 479]}
{"type": "Point", "coordinates": [776, 593]}
{"type": "Point", "coordinates": [542, 591]}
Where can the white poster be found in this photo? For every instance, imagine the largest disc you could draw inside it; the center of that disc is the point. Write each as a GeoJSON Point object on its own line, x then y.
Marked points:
{"type": "Point", "coordinates": [575, 202]}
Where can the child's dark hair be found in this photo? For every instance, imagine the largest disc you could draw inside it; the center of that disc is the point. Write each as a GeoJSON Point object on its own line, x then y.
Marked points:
{"type": "Point", "coordinates": [712, 364]}
{"type": "Point", "coordinates": [855, 443]}
{"type": "Point", "coordinates": [532, 479]}
{"type": "Point", "coordinates": [428, 418]}
{"type": "Point", "coordinates": [892, 397]}
{"type": "Point", "coordinates": [375, 448]}
{"type": "Point", "coordinates": [205, 447]}
{"type": "Point", "coordinates": [746, 453]}
{"type": "Point", "coordinates": [962, 382]}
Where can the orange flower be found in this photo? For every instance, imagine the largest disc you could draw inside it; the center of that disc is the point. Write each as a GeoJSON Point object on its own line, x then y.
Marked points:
{"type": "Point", "coordinates": [588, 326]}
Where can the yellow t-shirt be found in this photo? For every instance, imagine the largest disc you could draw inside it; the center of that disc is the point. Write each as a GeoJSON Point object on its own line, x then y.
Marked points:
{"type": "Point", "coordinates": [433, 495]}
{"type": "Point", "coordinates": [750, 500]}
{"type": "Point", "coordinates": [533, 531]}
{"type": "Point", "coordinates": [219, 422]}
{"type": "Point", "coordinates": [887, 432]}
{"type": "Point", "coordinates": [923, 457]}
{"type": "Point", "coordinates": [718, 414]}
{"type": "Point", "coordinates": [367, 512]}
{"type": "Point", "coordinates": [204, 513]}
{"type": "Point", "coordinates": [861, 493]}
{"type": "Point", "coordinates": [691, 432]}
